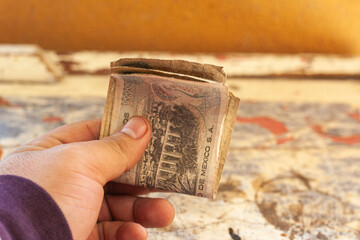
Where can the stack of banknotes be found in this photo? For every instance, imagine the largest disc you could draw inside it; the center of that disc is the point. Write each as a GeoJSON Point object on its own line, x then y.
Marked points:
{"type": "Point", "coordinates": [192, 114]}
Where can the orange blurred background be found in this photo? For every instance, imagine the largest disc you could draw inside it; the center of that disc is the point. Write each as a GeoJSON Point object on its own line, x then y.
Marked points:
{"type": "Point", "coordinates": [324, 26]}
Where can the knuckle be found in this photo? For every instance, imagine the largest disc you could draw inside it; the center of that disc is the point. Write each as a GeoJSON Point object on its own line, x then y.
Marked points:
{"type": "Point", "coordinates": [78, 160]}
{"type": "Point", "coordinates": [71, 150]}
{"type": "Point", "coordinates": [120, 146]}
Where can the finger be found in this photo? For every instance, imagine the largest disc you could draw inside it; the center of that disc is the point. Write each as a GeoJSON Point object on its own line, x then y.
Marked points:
{"type": "Point", "coordinates": [119, 230]}
{"type": "Point", "coordinates": [149, 212]}
{"type": "Point", "coordinates": [111, 156]}
{"type": "Point", "coordinates": [115, 188]}
{"type": "Point", "coordinates": [73, 132]}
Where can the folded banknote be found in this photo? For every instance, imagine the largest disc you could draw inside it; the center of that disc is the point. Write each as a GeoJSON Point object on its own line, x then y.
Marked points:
{"type": "Point", "coordinates": [192, 114]}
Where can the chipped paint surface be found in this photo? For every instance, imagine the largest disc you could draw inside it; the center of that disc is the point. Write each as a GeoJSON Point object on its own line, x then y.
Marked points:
{"type": "Point", "coordinates": [34, 116]}
{"type": "Point", "coordinates": [283, 178]}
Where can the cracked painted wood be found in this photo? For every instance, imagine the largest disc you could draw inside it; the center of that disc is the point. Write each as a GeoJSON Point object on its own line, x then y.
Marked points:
{"type": "Point", "coordinates": [293, 167]}
{"type": "Point", "coordinates": [303, 187]}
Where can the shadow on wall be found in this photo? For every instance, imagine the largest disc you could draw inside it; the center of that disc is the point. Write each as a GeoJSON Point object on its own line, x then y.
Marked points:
{"type": "Point", "coordinates": [325, 26]}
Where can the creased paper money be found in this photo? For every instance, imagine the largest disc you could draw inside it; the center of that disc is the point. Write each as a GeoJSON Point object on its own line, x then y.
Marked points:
{"type": "Point", "coordinates": [192, 114]}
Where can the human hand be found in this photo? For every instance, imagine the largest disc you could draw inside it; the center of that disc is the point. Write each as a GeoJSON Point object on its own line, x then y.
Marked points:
{"type": "Point", "coordinates": [75, 169]}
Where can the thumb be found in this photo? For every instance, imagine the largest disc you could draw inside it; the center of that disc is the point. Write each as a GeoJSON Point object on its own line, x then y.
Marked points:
{"type": "Point", "coordinates": [113, 155]}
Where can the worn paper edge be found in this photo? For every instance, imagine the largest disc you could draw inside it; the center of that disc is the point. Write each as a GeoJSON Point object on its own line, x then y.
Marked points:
{"type": "Point", "coordinates": [136, 70]}
{"type": "Point", "coordinates": [205, 71]}
{"type": "Point", "coordinates": [230, 117]}
{"type": "Point", "coordinates": [106, 119]}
